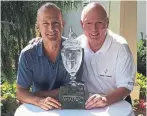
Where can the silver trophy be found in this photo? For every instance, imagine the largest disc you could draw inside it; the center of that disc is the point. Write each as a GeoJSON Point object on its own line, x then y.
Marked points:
{"type": "Point", "coordinates": [72, 96]}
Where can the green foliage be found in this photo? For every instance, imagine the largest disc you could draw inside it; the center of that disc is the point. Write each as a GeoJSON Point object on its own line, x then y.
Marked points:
{"type": "Point", "coordinates": [8, 97]}
{"type": "Point", "coordinates": [141, 80]}
{"type": "Point", "coordinates": [8, 90]}
{"type": "Point", "coordinates": [141, 56]}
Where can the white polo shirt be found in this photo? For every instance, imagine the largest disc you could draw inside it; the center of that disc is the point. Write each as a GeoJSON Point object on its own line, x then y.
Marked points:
{"type": "Point", "coordinates": [110, 67]}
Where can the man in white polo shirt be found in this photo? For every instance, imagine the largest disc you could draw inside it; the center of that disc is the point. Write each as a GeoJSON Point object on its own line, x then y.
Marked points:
{"type": "Point", "coordinates": [109, 69]}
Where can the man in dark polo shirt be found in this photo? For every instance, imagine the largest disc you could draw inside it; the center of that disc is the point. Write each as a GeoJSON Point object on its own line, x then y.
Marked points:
{"type": "Point", "coordinates": [40, 63]}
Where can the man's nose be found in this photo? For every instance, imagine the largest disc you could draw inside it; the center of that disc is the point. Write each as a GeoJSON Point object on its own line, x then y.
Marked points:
{"type": "Point", "coordinates": [94, 26]}
{"type": "Point", "coordinates": [51, 27]}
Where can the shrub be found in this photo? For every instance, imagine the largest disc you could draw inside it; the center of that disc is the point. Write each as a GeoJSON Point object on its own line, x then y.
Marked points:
{"type": "Point", "coordinates": [141, 80]}
{"type": "Point", "coordinates": [8, 97]}
{"type": "Point", "coordinates": [141, 56]}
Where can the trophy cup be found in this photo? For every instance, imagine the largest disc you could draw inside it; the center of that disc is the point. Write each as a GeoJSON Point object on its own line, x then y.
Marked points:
{"type": "Point", "coordinates": [73, 95]}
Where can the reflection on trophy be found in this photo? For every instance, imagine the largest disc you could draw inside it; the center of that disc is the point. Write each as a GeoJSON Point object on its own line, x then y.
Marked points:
{"type": "Point", "coordinates": [72, 95]}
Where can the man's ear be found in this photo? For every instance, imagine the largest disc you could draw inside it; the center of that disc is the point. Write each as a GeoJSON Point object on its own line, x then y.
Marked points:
{"type": "Point", "coordinates": [81, 23]}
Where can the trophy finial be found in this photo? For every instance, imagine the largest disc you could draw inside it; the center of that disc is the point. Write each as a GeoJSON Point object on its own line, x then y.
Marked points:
{"type": "Point", "coordinates": [72, 35]}
{"type": "Point", "coordinates": [70, 29]}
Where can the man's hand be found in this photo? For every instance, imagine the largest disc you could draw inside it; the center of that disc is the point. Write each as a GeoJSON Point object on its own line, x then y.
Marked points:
{"type": "Point", "coordinates": [96, 101]}
{"type": "Point", "coordinates": [49, 103]}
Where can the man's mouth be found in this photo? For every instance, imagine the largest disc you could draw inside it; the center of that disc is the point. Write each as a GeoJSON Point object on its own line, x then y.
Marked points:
{"type": "Point", "coordinates": [52, 34]}
{"type": "Point", "coordinates": [94, 34]}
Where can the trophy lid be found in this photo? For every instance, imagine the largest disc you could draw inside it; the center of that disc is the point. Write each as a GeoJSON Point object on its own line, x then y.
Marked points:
{"type": "Point", "coordinates": [72, 35]}
{"type": "Point", "coordinates": [71, 41]}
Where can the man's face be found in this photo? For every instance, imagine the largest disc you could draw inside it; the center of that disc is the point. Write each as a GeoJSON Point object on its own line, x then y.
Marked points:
{"type": "Point", "coordinates": [50, 24]}
{"type": "Point", "coordinates": [95, 26]}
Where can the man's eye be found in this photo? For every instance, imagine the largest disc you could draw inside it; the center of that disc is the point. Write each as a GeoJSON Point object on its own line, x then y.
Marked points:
{"type": "Point", "coordinates": [45, 23]}
{"type": "Point", "coordinates": [56, 23]}
{"type": "Point", "coordinates": [88, 23]}
{"type": "Point", "coordinates": [100, 22]}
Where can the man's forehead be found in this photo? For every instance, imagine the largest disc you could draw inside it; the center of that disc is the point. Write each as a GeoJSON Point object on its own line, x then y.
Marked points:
{"type": "Point", "coordinates": [50, 19]}
{"type": "Point", "coordinates": [50, 14]}
{"type": "Point", "coordinates": [94, 19]}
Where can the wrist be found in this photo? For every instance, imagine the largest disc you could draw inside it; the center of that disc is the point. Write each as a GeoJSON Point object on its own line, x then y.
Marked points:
{"type": "Point", "coordinates": [37, 101]}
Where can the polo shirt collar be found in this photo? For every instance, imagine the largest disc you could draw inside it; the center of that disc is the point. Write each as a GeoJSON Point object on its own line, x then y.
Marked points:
{"type": "Point", "coordinates": [41, 52]}
{"type": "Point", "coordinates": [40, 48]}
{"type": "Point", "coordinates": [106, 44]}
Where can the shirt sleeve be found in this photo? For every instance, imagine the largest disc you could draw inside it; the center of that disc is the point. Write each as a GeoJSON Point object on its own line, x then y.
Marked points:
{"type": "Point", "coordinates": [125, 68]}
{"type": "Point", "coordinates": [24, 75]}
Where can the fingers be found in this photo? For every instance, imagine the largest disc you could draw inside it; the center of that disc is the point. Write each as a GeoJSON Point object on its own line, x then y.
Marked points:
{"type": "Point", "coordinates": [49, 103]}
{"type": "Point", "coordinates": [102, 102]}
{"type": "Point", "coordinates": [92, 101]}
{"type": "Point", "coordinates": [46, 107]}
{"type": "Point", "coordinates": [96, 101]}
{"type": "Point", "coordinates": [91, 98]}
{"type": "Point", "coordinates": [53, 102]}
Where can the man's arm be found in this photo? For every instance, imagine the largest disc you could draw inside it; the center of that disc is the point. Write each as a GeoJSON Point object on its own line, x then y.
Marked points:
{"type": "Point", "coordinates": [101, 101]}
{"type": "Point", "coordinates": [117, 95]}
{"type": "Point", "coordinates": [49, 93]}
{"type": "Point", "coordinates": [24, 95]}
{"type": "Point", "coordinates": [125, 76]}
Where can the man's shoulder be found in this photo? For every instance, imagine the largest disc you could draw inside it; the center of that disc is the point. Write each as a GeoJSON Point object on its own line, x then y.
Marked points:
{"type": "Point", "coordinates": [118, 39]}
{"type": "Point", "coordinates": [120, 42]}
{"type": "Point", "coordinates": [32, 46]}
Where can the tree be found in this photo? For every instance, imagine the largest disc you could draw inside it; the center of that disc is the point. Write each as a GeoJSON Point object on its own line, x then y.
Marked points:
{"type": "Point", "coordinates": [141, 56]}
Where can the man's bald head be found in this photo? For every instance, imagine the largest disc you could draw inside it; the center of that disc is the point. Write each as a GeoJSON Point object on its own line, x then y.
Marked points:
{"type": "Point", "coordinates": [94, 6]}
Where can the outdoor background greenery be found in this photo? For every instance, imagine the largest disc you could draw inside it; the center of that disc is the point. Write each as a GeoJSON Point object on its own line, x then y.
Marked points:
{"type": "Point", "coordinates": [18, 20]}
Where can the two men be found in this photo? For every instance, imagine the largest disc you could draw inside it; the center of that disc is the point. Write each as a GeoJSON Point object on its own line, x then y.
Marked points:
{"type": "Point", "coordinates": [108, 63]}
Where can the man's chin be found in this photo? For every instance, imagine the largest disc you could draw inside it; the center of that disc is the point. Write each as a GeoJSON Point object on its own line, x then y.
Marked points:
{"type": "Point", "coordinates": [95, 37]}
{"type": "Point", "coordinates": [53, 39]}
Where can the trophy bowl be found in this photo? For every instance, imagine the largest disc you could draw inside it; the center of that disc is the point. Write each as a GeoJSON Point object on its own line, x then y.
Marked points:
{"type": "Point", "coordinates": [72, 58]}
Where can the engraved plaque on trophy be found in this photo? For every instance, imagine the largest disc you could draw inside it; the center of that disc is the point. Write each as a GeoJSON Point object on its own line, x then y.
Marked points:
{"type": "Point", "coordinates": [73, 95]}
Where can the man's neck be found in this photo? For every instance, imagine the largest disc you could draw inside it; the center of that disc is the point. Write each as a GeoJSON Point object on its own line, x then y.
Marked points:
{"type": "Point", "coordinates": [95, 47]}
{"type": "Point", "coordinates": [52, 50]}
